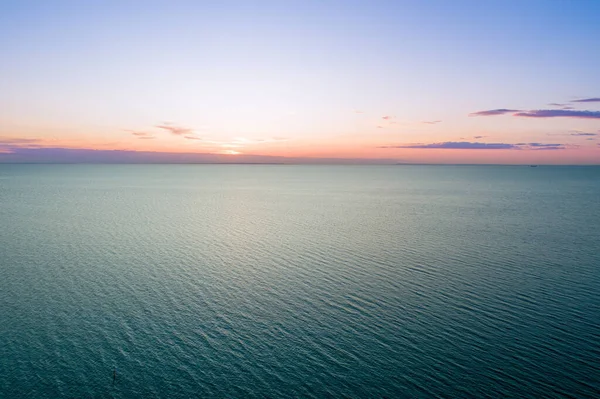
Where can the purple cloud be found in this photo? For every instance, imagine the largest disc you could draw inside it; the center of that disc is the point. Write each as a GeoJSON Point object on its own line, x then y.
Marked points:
{"type": "Point", "coordinates": [17, 141]}
{"type": "Point", "coordinates": [492, 112]}
{"type": "Point", "coordinates": [582, 134]}
{"type": "Point", "coordinates": [142, 135]}
{"type": "Point", "coordinates": [9, 143]}
{"type": "Point", "coordinates": [467, 145]}
{"type": "Point", "coordinates": [174, 129]}
{"type": "Point", "coordinates": [559, 113]}
{"type": "Point", "coordinates": [459, 145]}
{"type": "Point", "coordinates": [542, 145]}
{"type": "Point", "coordinates": [479, 137]}
{"type": "Point", "coordinates": [588, 100]}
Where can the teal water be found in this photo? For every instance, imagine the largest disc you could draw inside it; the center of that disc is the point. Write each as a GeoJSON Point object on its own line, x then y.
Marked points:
{"type": "Point", "coordinates": [299, 281]}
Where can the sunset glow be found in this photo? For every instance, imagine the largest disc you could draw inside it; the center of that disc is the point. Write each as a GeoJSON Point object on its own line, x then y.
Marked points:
{"type": "Point", "coordinates": [374, 82]}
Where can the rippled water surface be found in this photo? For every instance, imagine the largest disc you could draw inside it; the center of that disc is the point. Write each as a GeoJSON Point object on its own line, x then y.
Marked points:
{"type": "Point", "coordinates": [299, 281]}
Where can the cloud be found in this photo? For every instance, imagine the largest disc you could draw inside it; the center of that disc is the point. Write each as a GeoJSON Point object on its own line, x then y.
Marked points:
{"type": "Point", "coordinates": [540, 145]}
{"type": "Point", "coordinates": [559, 113]}
{"type": "Point", "coordinates": [359, 112]}
{"type": "Point", "coordinates": [431, 122]}
{"type": "Point", "coordinates": [17, 140]}
{"type": "Point", "coordinates": [479, 137]}
{"type": "Point", "coordinates": [588, 100]}
{"type": "Point", "coordinates": [141, 135]}
{"type": "Point", "coordinates": [575, 133]}
{"type": "Point", "coordinates": [568, 108]}
{"type": "Point", "coordinates": [174, 129]}
{"type": "Point", "coordinates": [578, 133]}
{"type": "Point", "coordinates": [192, 137]}
{"type": "Point", "coordinates": [380, 127]}
{"type": "Point", "coordinates": [492, 112]}
{"type": "Point", "coordinates": [387, 117]}
{"type": "Point", "coordinates": [467, 145]}
{"type": "Point", "coordinates": [557, 105]}
{"type": "Point", "coordinates": [459, 145]}
{"type": "Point", "coordinates": [9, 143]}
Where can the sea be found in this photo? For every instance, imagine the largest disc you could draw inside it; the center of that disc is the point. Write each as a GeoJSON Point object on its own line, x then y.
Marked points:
{"type": "Point", "coordinates": [299, 281]}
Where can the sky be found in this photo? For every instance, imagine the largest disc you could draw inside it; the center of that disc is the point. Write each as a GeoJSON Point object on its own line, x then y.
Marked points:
{"type": "Point", "coordinates": [429, 81]}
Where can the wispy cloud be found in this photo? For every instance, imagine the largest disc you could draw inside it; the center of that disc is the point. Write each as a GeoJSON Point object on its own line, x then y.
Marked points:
{"type": "Point", "coordinates": [387, 117]}
{"type": "Point", "coordinates": [541, 113]}
{"type": "Point", "coordinates": [192, 137]}
{"type": "Point", "coordinates": [559, 113]}
{"type": "Point", "coordinates": [588, 100]}
{"type": "Point", "coordinates": [9, 143]}
{"type": "Point", "coordinates": [17, 140]}
{"type": "Point", "coordinates": [492, 112]}
{"type": "Point", "coordinates": [380, 127]}
{"type": "Point", "coordinates": [562, 106]}
{"type": "Point", "coordinates": [539, 144]}
{"type": "Point", "coordinates": [479, 137]}
{"type": "Point", "coordinates": [575, 133]}
{"type": "Point", "coordinates": [468, 145]}
{"type": "Point", "coordinates": [578, 133]}
{"type": "Point", "coordinates": [457, 145]}
{"type": "Point", "coordinates": [141, 134]}
{"type": "Point", "coordinates": [175, 129]}
{"type": "Point", "coordinates": [431, 122]}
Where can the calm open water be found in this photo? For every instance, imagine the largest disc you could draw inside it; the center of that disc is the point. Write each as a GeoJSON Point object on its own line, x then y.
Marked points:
{"type": "Point", "coordinates": [299, 281]}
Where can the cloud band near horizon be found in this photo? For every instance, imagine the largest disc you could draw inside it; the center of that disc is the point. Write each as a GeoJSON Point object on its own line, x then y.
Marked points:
{"type": "Point", "coordinates": [541, 113]}
{"type": "Point", "coordinates": [467, 145]}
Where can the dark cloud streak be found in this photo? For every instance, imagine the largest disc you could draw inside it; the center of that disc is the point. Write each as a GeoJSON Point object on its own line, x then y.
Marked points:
{"type": "Point", "coordinates": [467, 145]}
{"type": "Point", "coordinates": [492, 112]}
{"type": "Point", "coordinates": [458, 145]}
{"type": "Point", "coordinates": [174, 129]}
{"type": "Point", "coordinates": [559, 113]}
{"type": "Point", "coordinates": [588, 100]}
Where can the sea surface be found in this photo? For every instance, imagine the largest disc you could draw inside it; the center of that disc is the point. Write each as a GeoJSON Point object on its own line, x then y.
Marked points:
{"type": "Point", "coordinates": [277, 281]}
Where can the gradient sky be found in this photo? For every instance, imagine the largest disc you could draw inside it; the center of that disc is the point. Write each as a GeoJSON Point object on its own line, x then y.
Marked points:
{"type": "Point", "coordinates": [377, 81]}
